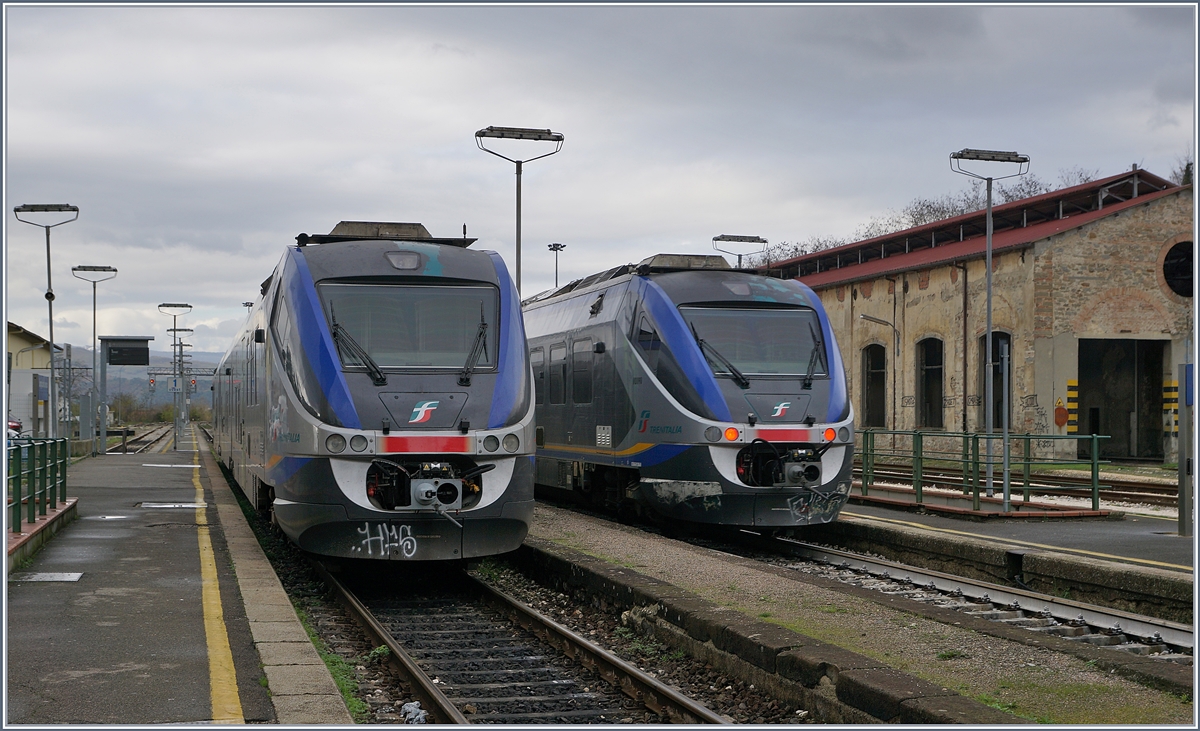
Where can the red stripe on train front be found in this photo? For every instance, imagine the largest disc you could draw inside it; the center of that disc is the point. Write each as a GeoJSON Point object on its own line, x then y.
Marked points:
{"type": "Point", "coordinates": [788, 435]}
{"type": "Point", "coordinates": [409, 445]}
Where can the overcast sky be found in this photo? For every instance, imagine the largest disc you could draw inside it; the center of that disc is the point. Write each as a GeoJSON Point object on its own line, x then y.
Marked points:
{"type": "Point", "coordinates": [198, 141]}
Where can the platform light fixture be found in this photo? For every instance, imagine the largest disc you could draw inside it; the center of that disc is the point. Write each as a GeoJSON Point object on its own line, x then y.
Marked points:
{"type": "Point", "coordinates": [956, 164]}
{"type": "Point", "coordinates": [94, 274]}
{"type": "Point", "coordinates": [49, 208]}
{"type": "Point", "coordinates": [519, 133]}
{"type": "Point", "coordinates": [175, 310]}
{"type": "Point", "coordinates": [726, 238]}
{"type": "Point", "coordinates": [556, 247]}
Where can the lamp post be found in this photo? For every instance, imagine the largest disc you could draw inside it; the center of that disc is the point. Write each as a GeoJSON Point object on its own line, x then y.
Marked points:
{"type": "Point", "coordinates": [895, 357]}
{"type": "Point", "coordinates": [1022, 162]}
{"type": "Point", "coordinates": [740, 240]}
{"type": "Point", "coordinates": [175, 309]}
{"type": "Point", "coordinates": [94, 274]}
{"type": "Point", "coordinates": [49, 208]}
{"type": "Point", "coordinates": [556, 248]}
{"type": "Point", "coordinates": [248, 305]}
{"type": "Point", "coordinates": [519, 133]}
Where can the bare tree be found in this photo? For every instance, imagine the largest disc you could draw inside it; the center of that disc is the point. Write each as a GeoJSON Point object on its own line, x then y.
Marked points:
{"type": "Point", "coordinates": [1181, 173]}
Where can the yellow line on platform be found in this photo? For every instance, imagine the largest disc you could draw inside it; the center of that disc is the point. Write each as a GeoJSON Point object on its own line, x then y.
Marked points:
{"type": "Point", "coordinates": [1124, 559]}
{"type": "Point", "coordinates": [222, 678]}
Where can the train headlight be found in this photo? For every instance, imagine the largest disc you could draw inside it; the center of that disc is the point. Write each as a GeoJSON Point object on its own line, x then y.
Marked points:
{"type": "Point", "coordinates": [511, 442]}
{"type": "Point", "coordinates": [713, 434]}
{"type": "Point", "coordinates": [491, 443]}
{"type": "Point", "coordinates": [335, 443]}
{"type": "Point", "coordinates": [830, 434]}
{"type": "Point", "coordinates": [731, 434]}
{"type": "Point", "coordinates": [844, 434]}
{"type": "Point", "coordinates": [358, 442]}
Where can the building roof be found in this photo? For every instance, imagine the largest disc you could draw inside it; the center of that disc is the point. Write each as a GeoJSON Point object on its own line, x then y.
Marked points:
{"type": "Point", "coordinates": [1014, 225]}
{"type": "Point", "coordinates": [14, 329]}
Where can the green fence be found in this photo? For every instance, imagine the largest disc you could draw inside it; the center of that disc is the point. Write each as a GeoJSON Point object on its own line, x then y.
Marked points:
{"type": "Point", "coordinates": [37, 478]}
{"type": "Point", "coordinates": [962, 459]}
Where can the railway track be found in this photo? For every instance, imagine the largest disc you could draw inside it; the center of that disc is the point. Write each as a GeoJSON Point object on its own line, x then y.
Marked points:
{"type": "Point", "coordinates": [1040, 613]}
{"type": "Point", "coordinates": [1116, 490]}
{"type": "Point", "coordinates": [473, 654]}
{"type": "Point", "coordinates": [142, 443]}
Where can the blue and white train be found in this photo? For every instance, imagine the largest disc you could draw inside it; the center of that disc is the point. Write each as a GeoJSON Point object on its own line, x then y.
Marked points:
{"type": "Point", "coordinates": [692, 392]}
{"type": "Point", "coordinates": [377, 401]}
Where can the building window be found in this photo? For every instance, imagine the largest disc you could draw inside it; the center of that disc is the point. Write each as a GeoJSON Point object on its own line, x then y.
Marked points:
{"type": "Point", "coordinates": [997, 380]}
{"type": "Point", "coordinates": [874, 389]}
{"type": "Point", "coordinates": [558, 374]}
{"type": "Point", "coordinates": [581, 371]}
{"type": "Point", "coordinates": [929, 383]}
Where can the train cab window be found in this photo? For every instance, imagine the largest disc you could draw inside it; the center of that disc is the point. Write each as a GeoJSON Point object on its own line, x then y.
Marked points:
{"type": "Point", "coordinates": [558, 374]}
{"type": "Point", "coordinates": [581, 371]}
{"type": "Point", "coordinates": [648, 342]}
{"type": "Point", "coordinates": [415, 327]}
{"type": "Point", "coordinates": [929, 383]}
{"type": "Point", "coordinates": [537, 358]}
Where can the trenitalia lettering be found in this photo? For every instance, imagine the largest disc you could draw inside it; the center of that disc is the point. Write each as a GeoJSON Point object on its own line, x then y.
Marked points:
{"type": "Point", "coordinates": [665, 430]}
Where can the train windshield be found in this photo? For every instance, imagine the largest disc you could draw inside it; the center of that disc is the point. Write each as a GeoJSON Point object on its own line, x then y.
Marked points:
{"type": "Point", "coordinates": [405, 326]}
{"type": "Point", "coordinates": [759, 342]}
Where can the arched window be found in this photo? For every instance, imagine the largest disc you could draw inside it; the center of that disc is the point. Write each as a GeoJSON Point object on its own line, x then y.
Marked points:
{"type": "Point", "coordinates": [874, 386]}
{"type": "Point", "coordinates": [1177, 268]}
{"type": "Point", "coordinates": [929, 383]}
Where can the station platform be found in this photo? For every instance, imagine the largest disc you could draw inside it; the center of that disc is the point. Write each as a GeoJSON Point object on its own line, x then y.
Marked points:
{"type": "Point", "coordinates": [157, 606]}
{"type": "Point", "coordinates": [1150, 541]}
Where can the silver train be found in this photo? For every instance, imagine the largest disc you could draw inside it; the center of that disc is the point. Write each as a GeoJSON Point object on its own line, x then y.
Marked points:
{"type": "Point", "coordinates": [377, 400]}
{"type": "Point", "coordinates": [693, 392]}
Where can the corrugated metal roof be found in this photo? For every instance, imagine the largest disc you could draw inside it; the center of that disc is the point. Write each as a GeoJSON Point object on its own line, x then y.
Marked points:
{"type": "Point", "coordinates": [1008, 232]}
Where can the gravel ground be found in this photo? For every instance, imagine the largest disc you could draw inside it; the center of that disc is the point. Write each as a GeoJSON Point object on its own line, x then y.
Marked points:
{"type": "Point", "coordinates": [1033, 683]}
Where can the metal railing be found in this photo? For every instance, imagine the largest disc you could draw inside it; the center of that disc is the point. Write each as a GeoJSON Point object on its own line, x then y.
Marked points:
{"type": "Point", "coordinates": [961, 459]}
{"type": "Point", "coordinates": [37, 478]}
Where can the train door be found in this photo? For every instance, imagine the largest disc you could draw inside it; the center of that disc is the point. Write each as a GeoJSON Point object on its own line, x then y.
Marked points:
{"type": "Point", "coordinates": [584, 430]}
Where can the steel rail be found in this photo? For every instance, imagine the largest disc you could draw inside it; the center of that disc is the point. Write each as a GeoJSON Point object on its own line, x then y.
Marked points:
{"type": "Point", "coordinates": [654, 694]}
{"type": "Point", "coordinates": [431, 697]}
{"type": "Point", "coordinates": [1065, 610]}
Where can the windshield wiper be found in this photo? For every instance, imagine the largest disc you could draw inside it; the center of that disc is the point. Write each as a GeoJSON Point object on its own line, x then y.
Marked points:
{"type": "Point", "coordinates": [818, 346]}
{"type": "Point", "coordinates": [342, 338]}
{"type": "Point", "coordinates": [464, 378]}
{"type": "Point", "coordinates": [738, 377]}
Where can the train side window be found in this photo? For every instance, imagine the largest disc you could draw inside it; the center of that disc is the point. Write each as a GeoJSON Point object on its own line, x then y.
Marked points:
{"type": "Point", "coordinates": [537, 358]}
{"type": "Point", "coordinates": [558, 374]}
{"type": "Point", "coordinates": [581, 371]}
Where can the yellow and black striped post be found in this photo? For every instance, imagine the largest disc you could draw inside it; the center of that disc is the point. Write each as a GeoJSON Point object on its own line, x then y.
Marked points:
{"type": "Point", "coordinates": [1072, 406]}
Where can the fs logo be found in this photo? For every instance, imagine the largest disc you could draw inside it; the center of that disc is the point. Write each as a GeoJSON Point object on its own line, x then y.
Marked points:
{"type": "Point", "coordinates": [645, 421]}
{"type": "Point", "coordinates": [422, 412]}
{"type": "Point", "coordinates": [781, 409]}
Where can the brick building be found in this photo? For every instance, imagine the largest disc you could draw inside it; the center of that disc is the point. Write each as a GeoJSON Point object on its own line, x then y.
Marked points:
{"type": "Point", "coordinates": [1091, 290]}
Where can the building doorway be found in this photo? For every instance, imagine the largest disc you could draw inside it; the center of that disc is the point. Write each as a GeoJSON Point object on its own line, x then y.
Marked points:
{"type": "Point", "coordinates": [1120, 396]}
